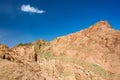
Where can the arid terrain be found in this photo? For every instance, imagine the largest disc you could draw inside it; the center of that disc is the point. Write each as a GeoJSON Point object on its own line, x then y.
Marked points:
{"type": "Point", "coordinates": [89, 54]}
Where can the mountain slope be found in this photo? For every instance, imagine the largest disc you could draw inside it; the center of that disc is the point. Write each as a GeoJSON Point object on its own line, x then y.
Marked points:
{"type": "Point", "coordinates": [99, 44]}
{"type": "Point", "coordinates": [90, 54]}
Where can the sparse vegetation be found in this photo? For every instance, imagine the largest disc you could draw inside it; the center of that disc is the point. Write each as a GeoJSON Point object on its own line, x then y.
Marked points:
{"type": "Point", "coordinates": [38, 43]}
{"type": "Point", "coordinates": [72, 57]}
{"type": "Point", "coordinates": [24, 44]}
{"type": "Point", "coordinates": [96, 69]}
{"type": "Point", "coordinates": [99, 70]}
{"type": "Point", "coordinates": [47, 54]}
{"type": "Point", "coordinates": [38, 47]}
{"type": "Point", "coordinates": [118, 78]}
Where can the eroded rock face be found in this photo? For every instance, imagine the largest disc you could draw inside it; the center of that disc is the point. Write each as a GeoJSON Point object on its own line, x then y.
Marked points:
{"type": "Point", "coordinates": [99, 44]}
{"type": "Point", "coordinates": [41, 47]}
{"type": "Point", "coordinates": [46, 70]}
{"type": "Point", "coordinates": [3, 47]}
{"type": "Point", "coordinates": [25, 51]}
{"type": "Point", "coordinates": [6, 53]}
{"type": "Point", "coordinates": [90, 54]}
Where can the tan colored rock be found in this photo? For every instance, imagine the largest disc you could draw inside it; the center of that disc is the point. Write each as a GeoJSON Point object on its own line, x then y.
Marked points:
{"type": "Point", "coordinates": [3, 47]}
{"type": "Point", "coordinates": [99, 44]}
{"type": "Point", "coordinates": [25, 51]}
{"type": "Point", "coordinates": [6, 53]}
{"type": "Point", "coordinates": [90, 54]}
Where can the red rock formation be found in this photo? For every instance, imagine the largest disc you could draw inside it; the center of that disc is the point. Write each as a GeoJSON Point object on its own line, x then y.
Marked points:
{"type": "Point", "coordinates": [99, 44]}
{"type": "Point", "coordinates": [90, 54]}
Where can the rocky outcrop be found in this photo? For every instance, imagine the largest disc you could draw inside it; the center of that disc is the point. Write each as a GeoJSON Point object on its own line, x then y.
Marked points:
{"type": "Point", "coordinates": [6, 53]}
{"type": "Point", "coordinates": [46, 70]}
{"type": "Point", "coordinates": [41, 47]}
{"type": "Point", "coordinates": [90, 54]}
{"type": "Point", "coordinates": [99, 44]}
{"type": "Point", "coordinates": [25, 51]}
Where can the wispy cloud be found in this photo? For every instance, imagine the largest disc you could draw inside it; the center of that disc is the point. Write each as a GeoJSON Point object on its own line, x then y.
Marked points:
{"type": "Point", "coordinates": [30, 9]}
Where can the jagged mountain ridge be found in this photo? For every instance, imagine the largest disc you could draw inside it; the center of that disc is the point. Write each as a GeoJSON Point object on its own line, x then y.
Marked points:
{"type": "Point", "coordinates": [91, 54]}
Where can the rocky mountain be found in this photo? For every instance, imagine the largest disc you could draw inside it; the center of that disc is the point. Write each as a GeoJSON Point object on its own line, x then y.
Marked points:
{"type": "Point", "coordinates": [89, 54]}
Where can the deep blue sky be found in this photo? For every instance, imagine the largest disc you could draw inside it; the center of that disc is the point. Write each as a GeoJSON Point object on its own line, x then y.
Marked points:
{"type": "Point", "coordinates": [61, 17]}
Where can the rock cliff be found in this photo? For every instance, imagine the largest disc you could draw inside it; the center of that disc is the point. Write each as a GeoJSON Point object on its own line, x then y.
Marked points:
{"type": "Point", "coordinates": [89, 54]}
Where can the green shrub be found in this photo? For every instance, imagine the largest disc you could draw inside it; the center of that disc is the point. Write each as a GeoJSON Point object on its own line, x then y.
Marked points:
{"type": "Point", "coordinates": [24, 44]}
{"type": "Point", "coordinates": [96, 69]}
{"type": "Point", "coordinates": [47, 54]}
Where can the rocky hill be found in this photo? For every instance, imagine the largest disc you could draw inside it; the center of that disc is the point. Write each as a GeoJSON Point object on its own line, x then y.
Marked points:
{"type": "Point", "coordinates": [90, 54]}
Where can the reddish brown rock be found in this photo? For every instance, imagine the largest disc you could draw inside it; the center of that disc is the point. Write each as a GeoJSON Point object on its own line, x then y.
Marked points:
{"type": "Point", "coordinates": [90, 54]}
{"type": "Point", "coordinates": [99, 44]}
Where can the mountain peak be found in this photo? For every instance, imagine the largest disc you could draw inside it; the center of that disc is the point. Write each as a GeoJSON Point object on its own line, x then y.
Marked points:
{"type": "Point", "coordinates": [90, 54]}
{"type": "Point", "coordinates": [102, 24]}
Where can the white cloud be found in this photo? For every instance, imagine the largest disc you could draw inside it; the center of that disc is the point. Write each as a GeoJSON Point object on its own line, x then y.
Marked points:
{"type": "Point", "coordinates": [28, 8]}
